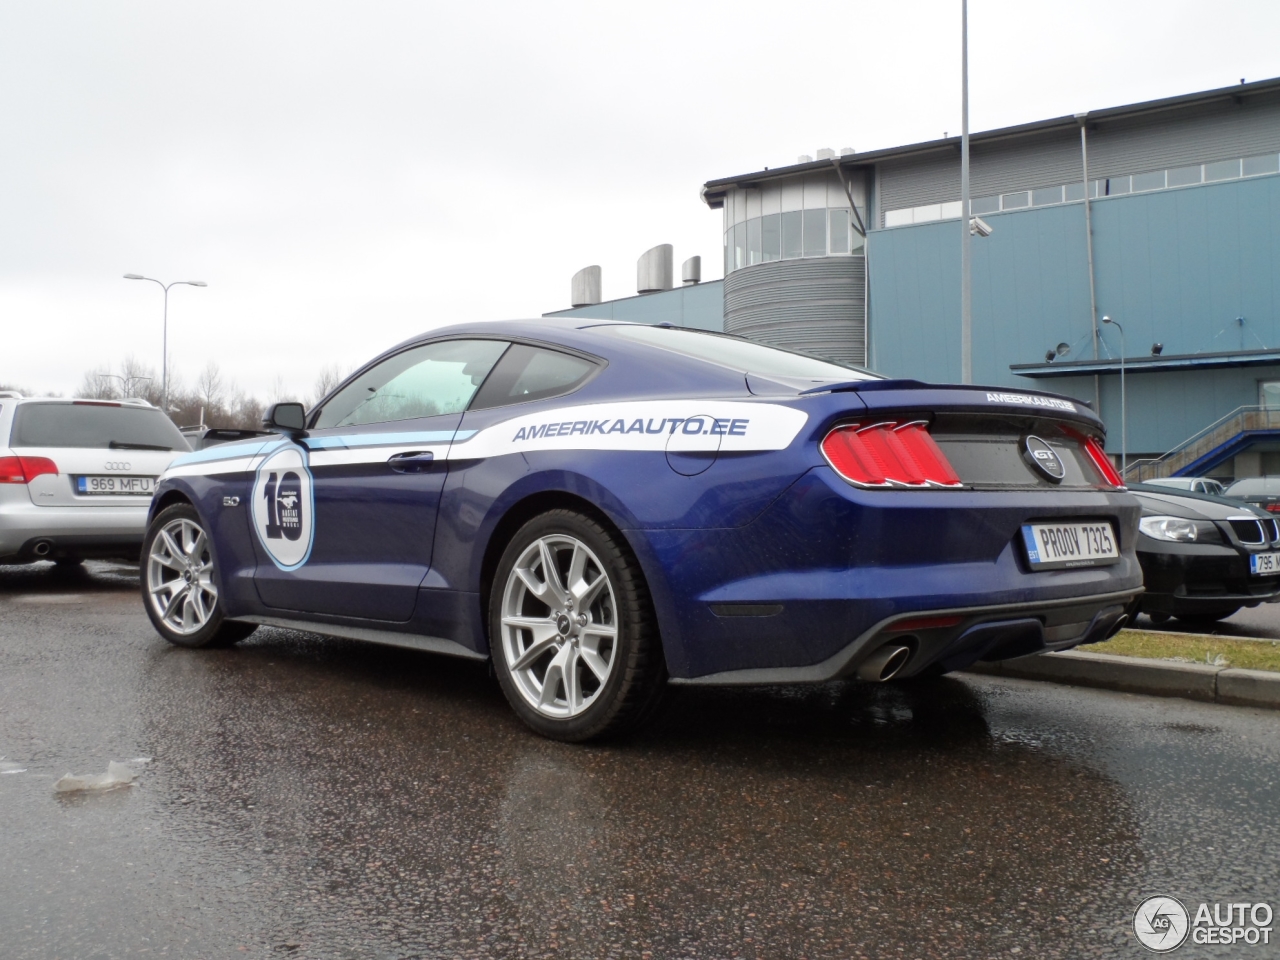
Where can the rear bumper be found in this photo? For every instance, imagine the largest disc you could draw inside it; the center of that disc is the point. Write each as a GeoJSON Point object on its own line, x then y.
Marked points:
{"type": "Point", "coordinates": [989, 633]}
{"type": "Point", "coordinates": [69, 531]}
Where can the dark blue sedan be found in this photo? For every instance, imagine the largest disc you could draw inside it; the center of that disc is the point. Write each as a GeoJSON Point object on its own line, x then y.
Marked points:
{"type": "Point", "coordinates": [605, 508]}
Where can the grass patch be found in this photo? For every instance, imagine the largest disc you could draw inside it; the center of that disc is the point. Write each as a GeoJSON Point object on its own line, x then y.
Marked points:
{"type": "Point", "coordinates": [1218, 651]}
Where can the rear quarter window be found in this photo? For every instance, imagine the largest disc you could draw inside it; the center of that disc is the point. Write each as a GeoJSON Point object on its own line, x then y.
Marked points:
{"type": "Point", "coordinates": [94, 425]}
{"type": "Point", "coordinates": [526, 373]}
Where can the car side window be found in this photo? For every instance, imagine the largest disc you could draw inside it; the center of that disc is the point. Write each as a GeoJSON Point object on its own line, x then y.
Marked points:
{"type": "Point", "coordinates": [426, 381]}
{"type": "Point", "coordinates": [528, 373]}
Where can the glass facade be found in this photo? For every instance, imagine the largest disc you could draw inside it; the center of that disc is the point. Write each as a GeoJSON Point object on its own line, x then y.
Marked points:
{"type": "Point", "coordinates": [790, 236]}
{"type": "Point", "coordinates": [792, 219]}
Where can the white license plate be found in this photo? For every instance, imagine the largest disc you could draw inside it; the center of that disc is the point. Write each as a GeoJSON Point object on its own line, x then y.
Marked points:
{"type": "Point", "coordinates": [117, 486]}
{"type": "Point", "coordinates": [1070, 544]}
{"type": "Point", "coordinates": [1264, 563]}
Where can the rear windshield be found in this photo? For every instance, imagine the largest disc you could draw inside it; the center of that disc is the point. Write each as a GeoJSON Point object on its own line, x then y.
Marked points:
{"type": "Point", "coordinates": [94, 425]}
{"type": "Point", "coordinates": [728, 351]}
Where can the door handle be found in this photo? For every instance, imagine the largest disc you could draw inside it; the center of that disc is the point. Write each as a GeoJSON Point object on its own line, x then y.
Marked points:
{"type": "Point", "coordinates": [412, 462]}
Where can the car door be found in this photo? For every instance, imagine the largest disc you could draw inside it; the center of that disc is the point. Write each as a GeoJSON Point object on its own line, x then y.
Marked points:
{"type": "Point", "coordinates": [345, 516]}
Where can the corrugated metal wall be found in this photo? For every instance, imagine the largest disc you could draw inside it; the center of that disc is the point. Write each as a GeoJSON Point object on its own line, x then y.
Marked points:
{"type": "Point", "coordinates": [817, 306]}
{"type": "Point", "coordinates": [1213, 132]}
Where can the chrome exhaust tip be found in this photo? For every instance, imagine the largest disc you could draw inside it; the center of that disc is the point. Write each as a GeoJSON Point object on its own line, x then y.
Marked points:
{"type": "Point", "coordinates": [884, 664]}
{"type": "Point", "coordinates": [42, 548]}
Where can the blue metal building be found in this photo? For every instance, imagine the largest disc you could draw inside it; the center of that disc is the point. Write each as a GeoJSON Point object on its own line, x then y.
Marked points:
{"type": "Point", "coordinates": [856, 257]}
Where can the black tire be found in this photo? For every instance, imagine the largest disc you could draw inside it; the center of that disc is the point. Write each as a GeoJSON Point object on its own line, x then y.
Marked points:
{"type": "Point", "coordinates": [212, 628]}
{"type": "Point", "coordinates": [1158, 617]}
{"type": "Point", "coordinates": [1206, 618]}
{"type": "Point", "coordinates": [636, 678]}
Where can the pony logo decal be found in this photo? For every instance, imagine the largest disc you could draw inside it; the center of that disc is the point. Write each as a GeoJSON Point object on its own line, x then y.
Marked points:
{"type": "Point", "coordinates": [284, 507]}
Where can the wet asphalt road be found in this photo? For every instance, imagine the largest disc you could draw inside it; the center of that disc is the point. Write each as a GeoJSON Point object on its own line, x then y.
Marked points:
{"type": "Point", "coordinates": [320, 798]}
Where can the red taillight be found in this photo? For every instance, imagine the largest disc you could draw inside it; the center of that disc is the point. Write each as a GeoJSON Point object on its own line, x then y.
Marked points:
{"type": "Point", "coordinates": [1103, 462]}
{"type": "Point", "coordinates": [888, 455]}
{"type": "Point", "coordinates": [25, 469]}
{"type": "Point", "coordinates": [1273, 508]}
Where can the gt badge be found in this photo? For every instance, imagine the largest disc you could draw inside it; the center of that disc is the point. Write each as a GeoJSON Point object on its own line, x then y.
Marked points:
{"type": "Point", "coordinates": [1044, 459]}
{"type": "Point", "coordinates": [284, 507]}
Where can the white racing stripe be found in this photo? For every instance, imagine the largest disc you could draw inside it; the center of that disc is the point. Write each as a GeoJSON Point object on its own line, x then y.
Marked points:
{"type": "Point", "coordinates": [656, 425]}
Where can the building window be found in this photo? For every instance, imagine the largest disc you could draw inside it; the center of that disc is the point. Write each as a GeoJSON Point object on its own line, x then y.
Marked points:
{"type": "Point", "coordinates": [1046, 196]}
{"type": "Point", "coordinates": [1269, 394]}
{"type": "Point", "coordinates": [1183, 176]}
{"type": "Point", "coordinates": [792, 245]}
{"type": "Point", "coordinates": [1143, 182]}
{"type": "Point", "coordinates": [983, 205]}
{"type": "Point", "coordinates": [839, 232]}
{"type": "Point", "coordinates": [771, 236]}
{"type": "Point", "coordinates": [815, 233]}
{"type": "Point", "coordinates": [753, 241]}
{"type": "Point", "coordinates": [1012, 201]}
{"type": "Point", "coordinates": [1117, 186]}
{"type": "Point", "coordinates": [1222, 170]}
{"type": "Point", "coordinates": [1254, 166]}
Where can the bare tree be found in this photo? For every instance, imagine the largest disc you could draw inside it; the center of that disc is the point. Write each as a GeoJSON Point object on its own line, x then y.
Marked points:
{"type": "Point", "coordinates": [211, 390]}
{"type": "Point", "coordinates": [330, 376]}
{"type": "Point", "coordinates": [98, 384]}
{"type": "Point", "coordinates": [246, 412]}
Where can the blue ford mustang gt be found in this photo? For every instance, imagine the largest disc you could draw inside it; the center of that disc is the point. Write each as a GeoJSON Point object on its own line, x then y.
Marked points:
{"type": "Point", "coordinates": [603, 508]}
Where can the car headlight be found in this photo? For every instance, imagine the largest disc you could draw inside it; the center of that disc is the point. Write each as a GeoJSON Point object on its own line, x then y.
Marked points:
{"type": "Point", "coordinates": [1168, 528]}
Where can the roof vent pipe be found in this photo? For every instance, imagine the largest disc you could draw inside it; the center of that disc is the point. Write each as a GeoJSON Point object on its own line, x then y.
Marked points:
{"type": "Point", "coordinates": [691, 271]}
{"type": "Point", "coordinates": [654, 269]}
{"type": "Point", "coordinates": [586, 287]}
{"type": "Point", "coordinates": [826, 153]}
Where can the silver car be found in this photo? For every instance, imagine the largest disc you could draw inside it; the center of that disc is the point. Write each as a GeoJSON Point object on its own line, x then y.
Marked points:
{"type": "Point", "coordinates": [1195, 484]}
{"type": "Point", "coordinates": [76, 476]}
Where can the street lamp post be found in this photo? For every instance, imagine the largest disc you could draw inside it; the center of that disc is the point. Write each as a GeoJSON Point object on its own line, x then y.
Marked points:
{"type": "Point", "coordinates": [1124, 433]}
{"type": "Point", "coordinates": [164, 361]}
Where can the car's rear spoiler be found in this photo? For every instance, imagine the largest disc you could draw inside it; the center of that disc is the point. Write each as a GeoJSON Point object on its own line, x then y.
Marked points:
{"type": "Point", "coordinates": [867, 386]}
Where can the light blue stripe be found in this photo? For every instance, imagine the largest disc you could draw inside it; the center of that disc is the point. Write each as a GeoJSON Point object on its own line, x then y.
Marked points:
{"type": "Point", "coordinates": [226, 451]}
{"type": "Point", "coordinates": [385, 439]}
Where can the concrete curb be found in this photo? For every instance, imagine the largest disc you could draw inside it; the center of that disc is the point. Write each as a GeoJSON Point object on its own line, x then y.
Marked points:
{"type": "Point", "coordinates": [1159, 678]}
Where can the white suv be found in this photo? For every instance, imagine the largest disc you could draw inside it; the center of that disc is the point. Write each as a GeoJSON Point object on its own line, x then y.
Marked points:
{"type": "Point", "coordinates": [76, 476]}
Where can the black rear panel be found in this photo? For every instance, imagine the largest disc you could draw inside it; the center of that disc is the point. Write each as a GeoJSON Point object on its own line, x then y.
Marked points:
{"type": "Point", "coordinates": [991, 451]}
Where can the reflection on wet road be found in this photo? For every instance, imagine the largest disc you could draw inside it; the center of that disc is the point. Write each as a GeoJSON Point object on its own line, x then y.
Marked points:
{"type": "Point", "coordinates": [323, 798]}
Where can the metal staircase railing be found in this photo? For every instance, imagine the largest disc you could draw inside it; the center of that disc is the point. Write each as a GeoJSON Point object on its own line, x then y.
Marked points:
{"type": "Point", "coordinates": [1236, 422]}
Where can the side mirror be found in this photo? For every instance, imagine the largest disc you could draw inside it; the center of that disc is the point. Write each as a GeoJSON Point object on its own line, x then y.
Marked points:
{"type": "Point", "coordinates": [290, 418]}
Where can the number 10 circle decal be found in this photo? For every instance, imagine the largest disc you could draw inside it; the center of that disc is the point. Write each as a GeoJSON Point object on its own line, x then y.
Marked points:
{"type": "Point", "coordinates": [284, 507]}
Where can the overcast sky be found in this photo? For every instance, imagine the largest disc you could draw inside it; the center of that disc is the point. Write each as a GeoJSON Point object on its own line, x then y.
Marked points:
{"type": "Point", "coordinates": [346, 175]}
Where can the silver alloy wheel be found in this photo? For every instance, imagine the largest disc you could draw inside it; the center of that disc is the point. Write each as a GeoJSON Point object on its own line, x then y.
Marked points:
{"type": "Point", "coordinates": [180, 576]}
{"type": "Point", "coordinates": [559, 626]}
